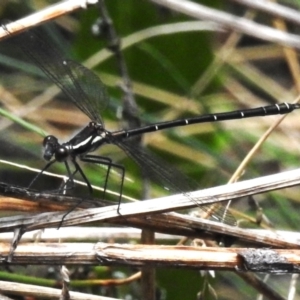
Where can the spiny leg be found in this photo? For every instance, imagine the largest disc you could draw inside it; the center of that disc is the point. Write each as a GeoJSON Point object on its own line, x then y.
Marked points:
{"type": "Point", "coordinates": [71, 178]}
{"type": "Point", "coordinates": [64, 185]}
{"type": "Point", "coordinates": [41, 172]}
{"type": "Point", "coordinates": [108, 162]}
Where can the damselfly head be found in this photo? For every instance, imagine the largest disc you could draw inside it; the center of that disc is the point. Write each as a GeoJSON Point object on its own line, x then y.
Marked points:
{"type": "Point", "coordinates": [50, 144]}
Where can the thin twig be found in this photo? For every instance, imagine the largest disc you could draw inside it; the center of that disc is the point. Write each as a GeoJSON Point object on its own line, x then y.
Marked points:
{"type": "Point", "coordinates": [36, 291]}
{"type": "Point", "coordinates": [273, 9]}
{"type": "Point", "coordinates": [45, 15]}
{"type": "Point", "coordinates": [191, 224]}
{"type": "Point", "coordinates": [238, 24]}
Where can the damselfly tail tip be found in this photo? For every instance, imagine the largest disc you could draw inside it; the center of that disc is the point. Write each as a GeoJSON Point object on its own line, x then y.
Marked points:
{"type": "Point", "coordinates": [296, 105]}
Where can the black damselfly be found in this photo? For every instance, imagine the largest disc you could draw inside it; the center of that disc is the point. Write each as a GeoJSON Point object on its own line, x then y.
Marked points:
{"type": "Point", "coordinates": [88, 93]}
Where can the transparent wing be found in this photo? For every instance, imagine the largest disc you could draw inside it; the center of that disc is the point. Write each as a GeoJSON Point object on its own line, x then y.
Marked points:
{"type": "Point", "coordinates": [170, 177]}
{"type": "Point", "coordinates": [81, 85]}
